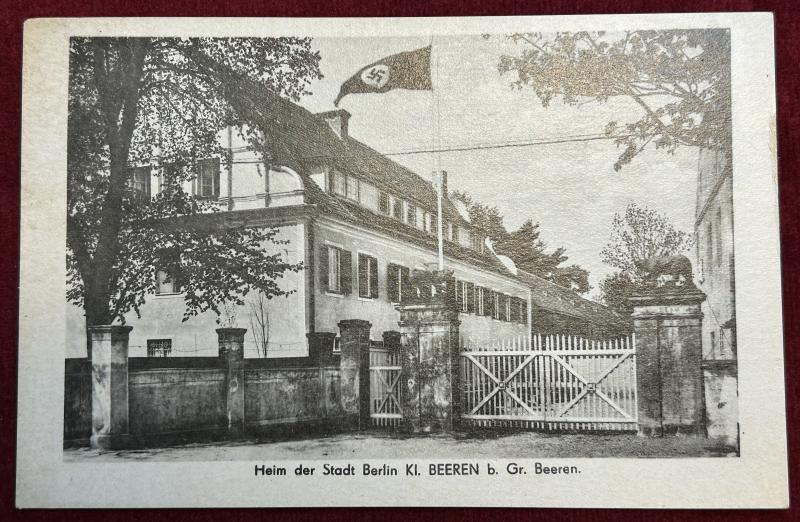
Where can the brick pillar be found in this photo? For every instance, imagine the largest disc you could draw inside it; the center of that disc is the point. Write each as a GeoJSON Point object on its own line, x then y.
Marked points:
{"type": "Point", "coordinates": [231, 352]}
{"type": "Point", "coordinates": [320, 347]}
{"type": "Point", "coordinates": [354, 364]}
{"type": "Point", "coordinates": [110, 425]}
{"type": "Point", "coordinates": [667, 322]}
{"type": "Point", "coordinates": [429, 324]}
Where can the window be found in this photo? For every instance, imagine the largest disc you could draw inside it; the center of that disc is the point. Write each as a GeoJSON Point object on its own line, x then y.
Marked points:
{"type": "Point", "coordinates": [710, 244]}
{"type": "Point", "coordinates": [397, 208]}
{"type": "Point", "coordinates": [335, 270]}
{"type": "Point", "coordinates": [139, 181]}
{"type": "Point", "coordinates": [367, 276]}
{"type": "Point", "coordinates": [337, 344]}
{"type": "Point", "coordinates": [480, 300]}
{"type": "Point", "coordinates": [523, 311]}
{"type": "Point", "coordinates": [465, 297]}
{"type": "Point", "coordinates": [159, 347]}
{"type": "Point", "coordinates": [397, 283]}
{"type": "Point", "coordinates": [496, 303]}
{"type": "Point", "coordinates": [383, 203]}
{"type": "Point", "coordinates": [208, 178]}
{"type": "Point", "coordinates": [167, 283]}
{"type": "Point", "coordinates": [506, 300]}
{"type": "Point", "coordinates": [428, 225]}
{"type": "Point", "coordinates": [339, 183]}
{"type": "Point", "coordinates": [411, 214]}
{"type": "Point", "coordinates": [352, 188]}
{"type": "Point", "coordinates": [452, 231]}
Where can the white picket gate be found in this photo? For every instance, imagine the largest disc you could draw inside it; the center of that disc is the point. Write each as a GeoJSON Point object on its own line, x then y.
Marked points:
{"type": "Point", "coordinates": [384, 387]}
{"type": "Point", "coordinates": [551, 382]}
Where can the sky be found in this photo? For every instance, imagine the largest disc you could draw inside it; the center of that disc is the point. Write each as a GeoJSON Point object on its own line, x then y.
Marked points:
{"type": "Point", "coordinates": [571, 189]}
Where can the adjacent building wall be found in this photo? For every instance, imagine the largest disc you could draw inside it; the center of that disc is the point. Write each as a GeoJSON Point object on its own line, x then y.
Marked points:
{"type": "Point", "coordinates": [714, 255]}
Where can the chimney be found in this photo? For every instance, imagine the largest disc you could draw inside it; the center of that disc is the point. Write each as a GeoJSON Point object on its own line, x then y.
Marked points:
{"type": "Point", "coordinates": [445, 193]}
{"type": "Point", "coordinates": [337, 119]}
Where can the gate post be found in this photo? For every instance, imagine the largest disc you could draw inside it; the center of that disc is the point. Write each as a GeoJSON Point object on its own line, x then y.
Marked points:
{"type": "Point", "coordinates": [231, 351]}
{"type": "Point", "coordinates": [667, 324]}
{"type": "Point", "coordinates": [429, 354]}
{"type": "Point", "coordinates": [354, 364]}
{"type": "Point", "coordinates": [110, 422]}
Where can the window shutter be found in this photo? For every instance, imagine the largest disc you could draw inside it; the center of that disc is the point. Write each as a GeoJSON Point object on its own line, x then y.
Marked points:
{"type": "Point", "coordinates": [405, 284]}
{"type": "Point", "coordinates": [457, 293]}
{"type": "Point", "coordinates": [346, 268]}
{"type": "Point", "coordinates": [215, 171]}
{"type": "Point", "coordinates": [488, 302]}
{"type": "Point", "coordinates": [524, 311]}
{"type": "Point", "coordinates": [322, 268]}
{"type": "Point", "coordinates": [392, 283]}
{"type": "Point", "coordinates": [363, 276]}
{"type": "Point", "coordinates": [470, 298]}
{"type": "Point", "coordinates": [373, 277]}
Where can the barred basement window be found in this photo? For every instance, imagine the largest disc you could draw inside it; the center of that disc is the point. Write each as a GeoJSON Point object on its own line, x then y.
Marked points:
{"type": "Point", "coordinates": [159, 347]}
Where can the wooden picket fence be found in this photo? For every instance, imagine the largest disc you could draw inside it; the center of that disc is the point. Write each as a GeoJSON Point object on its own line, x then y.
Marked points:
{"type": "Point", "coordinates": [550, 382]}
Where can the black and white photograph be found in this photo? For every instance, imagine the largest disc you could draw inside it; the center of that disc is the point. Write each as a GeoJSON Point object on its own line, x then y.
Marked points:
{"type": "Point", "coordinates": [501, 250]}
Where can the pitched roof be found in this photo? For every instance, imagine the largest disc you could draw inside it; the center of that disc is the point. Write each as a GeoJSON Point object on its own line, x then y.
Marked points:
{"type": "Point", "coordinates": [302, 139]}
{"type": "Point", "coordinates": [555, 298]}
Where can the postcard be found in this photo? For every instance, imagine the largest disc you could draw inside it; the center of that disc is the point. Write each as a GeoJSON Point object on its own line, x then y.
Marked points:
{"type": "Point", "coordinates": [512, 261]}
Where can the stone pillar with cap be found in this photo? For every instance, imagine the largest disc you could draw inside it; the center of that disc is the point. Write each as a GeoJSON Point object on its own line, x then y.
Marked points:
{"type": "Point", "coordinates": [429, 328]}
{"type": "Point", "coordinates": [110, 415]}
{"type": "Point", "coordinates": [231, 352]}
{"type": "Point", "coordinates": [668, 327]}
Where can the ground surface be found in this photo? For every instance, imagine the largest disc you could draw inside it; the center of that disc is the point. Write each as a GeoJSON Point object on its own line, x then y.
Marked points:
{"type": "Point", "coordinates": [387, 446]}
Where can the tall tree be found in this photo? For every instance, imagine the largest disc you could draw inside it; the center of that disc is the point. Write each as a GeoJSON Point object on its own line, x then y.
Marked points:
{"type": "Point", "coordinates": [640, 233]}
{"type": "Point", "coordinates": [524, 246]}
{"type": "Point", "coordinates": [637, 234]}
{"type": "Point", "coordinates": [680, 80]}
{"type": "Point", "coordinates": [135, 101]}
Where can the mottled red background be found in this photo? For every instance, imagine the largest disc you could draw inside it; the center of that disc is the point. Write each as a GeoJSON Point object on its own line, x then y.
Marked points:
{"type": "Point", "coordinates": [14, 12]}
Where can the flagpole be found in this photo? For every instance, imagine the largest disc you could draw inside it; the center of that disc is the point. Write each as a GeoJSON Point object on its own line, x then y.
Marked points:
{"type": "Point", "coordinates": [437, 160]}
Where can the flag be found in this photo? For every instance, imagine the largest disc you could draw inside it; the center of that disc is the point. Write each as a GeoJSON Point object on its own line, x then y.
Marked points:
{"type": "Point", "coordinates": [406, 70]}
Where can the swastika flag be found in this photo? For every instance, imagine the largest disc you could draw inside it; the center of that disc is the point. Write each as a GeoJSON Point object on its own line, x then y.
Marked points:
{"type": "Point", "coordinates": [407, 70]}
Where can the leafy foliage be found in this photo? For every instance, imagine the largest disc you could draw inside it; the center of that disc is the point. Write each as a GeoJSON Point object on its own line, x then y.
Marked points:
{"type": "Point", "coordinates": [143, 101]}
{"type": "Point", "coordinates": [525, 247]}
{"type": "Point", "coordinates": [640, 233]}
{"type": "Point", "coordinates": [679, 78]}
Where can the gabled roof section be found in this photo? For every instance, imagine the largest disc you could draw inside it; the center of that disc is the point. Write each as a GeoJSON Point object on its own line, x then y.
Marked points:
{"type": "Point", "coordinates": [555, 298]}
{"type": "Point", "coordinates": [302, 140]}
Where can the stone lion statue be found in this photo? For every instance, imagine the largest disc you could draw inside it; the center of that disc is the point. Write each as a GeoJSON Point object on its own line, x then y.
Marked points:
{"type": "Point", "coordinates": [666, 271]}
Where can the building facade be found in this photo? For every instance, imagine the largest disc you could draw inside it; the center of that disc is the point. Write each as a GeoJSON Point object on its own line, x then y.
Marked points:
{"type": "Point", "coordinates": [714, 256]}
{"type": "Point", "coordinates": [359, 223]}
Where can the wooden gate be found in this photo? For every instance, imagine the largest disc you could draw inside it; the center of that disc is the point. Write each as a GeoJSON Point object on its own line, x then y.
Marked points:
{"type": "Point", "coordinates": [552, 383]}
{"type": "Point", "coordinates": [384, 387]}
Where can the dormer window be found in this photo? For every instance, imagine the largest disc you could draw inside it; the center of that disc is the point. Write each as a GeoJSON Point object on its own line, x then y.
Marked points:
{"type": "Point", "coordinates": [339, 184]}
{"type": "Point", "coordinates": [397, 208]}
{"type": "Point", "coordinates": [383, 203]}
{"type": "Point", "coordinates": [411, 214]}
